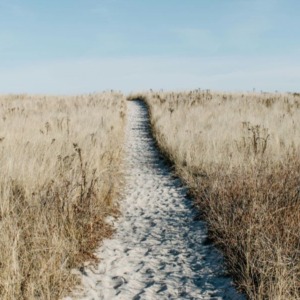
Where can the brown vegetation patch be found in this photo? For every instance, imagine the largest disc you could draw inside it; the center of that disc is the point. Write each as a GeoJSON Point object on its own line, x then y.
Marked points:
{"type": "Point", "coordinates": [60, 171]}
{"type": "Point", "coordinates": [239, 153]}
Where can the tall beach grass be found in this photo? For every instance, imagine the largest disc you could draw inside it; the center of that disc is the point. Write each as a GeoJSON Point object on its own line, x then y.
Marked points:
{"type": "Point", "coordinates": [59, 176]}
{"type": "Point", "coordinates": [240, 155]}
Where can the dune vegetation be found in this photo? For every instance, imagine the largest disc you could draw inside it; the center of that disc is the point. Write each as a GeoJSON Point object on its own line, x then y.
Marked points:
{"type": "Point", "coordinates": [59, 178]}
{"type": "Point", "coordinates": [240, 156]}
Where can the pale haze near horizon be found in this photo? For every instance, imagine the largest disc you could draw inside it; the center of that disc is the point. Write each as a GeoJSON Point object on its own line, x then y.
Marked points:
{"type": "Point", "coordinates": [67, 47]}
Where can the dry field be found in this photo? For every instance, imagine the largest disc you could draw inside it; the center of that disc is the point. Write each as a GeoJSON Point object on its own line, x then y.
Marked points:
{"type": "Point", "coordinates": [240, 154]}
{"type": "Point", "coordinates": [59, 175]}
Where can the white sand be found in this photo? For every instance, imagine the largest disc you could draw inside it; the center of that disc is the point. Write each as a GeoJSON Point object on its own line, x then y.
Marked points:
{"type": "Point", "coordinates": [159, 250]}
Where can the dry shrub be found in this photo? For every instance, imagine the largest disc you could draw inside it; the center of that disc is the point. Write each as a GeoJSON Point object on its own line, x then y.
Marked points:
{"type": "Point", "coordinates": [239, 153]}
{"type": "Point", "coordinates": [59, 166]}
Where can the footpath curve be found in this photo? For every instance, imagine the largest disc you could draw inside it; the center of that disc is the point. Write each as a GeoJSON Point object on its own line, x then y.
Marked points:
{"type": "Point", "coordinates": [159, 250]}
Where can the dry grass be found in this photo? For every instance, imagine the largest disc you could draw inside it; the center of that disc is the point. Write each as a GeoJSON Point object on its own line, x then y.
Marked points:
{"type": "Point", "coordinates": [240, 154]}
{"type": "Point", "coordinates": [59, 168]}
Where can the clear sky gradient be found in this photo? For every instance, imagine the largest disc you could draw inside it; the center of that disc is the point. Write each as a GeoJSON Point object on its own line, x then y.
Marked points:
{"type": "Point", "coordinates": [79, 46]}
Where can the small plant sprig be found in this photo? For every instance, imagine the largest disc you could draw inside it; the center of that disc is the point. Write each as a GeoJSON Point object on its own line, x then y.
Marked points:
{"type": "Point", "coordinates": [258, 137]}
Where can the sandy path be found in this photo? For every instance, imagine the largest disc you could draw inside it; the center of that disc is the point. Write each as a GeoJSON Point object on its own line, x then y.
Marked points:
{"type": "Point", "coordinates": [159, 250]}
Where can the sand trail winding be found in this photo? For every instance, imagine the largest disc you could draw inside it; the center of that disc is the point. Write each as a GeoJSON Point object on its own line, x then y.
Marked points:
{"type": "Point", "coordinates": [159, 250]}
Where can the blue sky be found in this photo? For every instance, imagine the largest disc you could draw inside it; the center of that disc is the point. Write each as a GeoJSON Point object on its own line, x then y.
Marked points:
{"type": "Point", "coordinates": [78, 46]}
